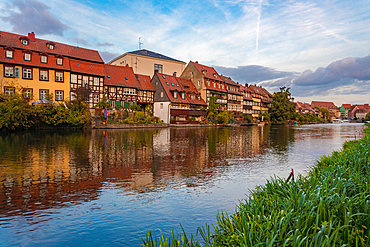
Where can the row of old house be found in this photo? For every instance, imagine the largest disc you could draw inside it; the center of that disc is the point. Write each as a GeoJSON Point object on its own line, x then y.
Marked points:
{"type": "Point", "coordinates": [346, 111]}
{"type": "Point", "coordinates": [175, 91]}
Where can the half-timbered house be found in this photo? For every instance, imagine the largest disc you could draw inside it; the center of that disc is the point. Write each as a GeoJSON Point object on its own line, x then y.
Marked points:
{"type": "Point", "coordinates": [145, 95]}
{"type": "Point", "coordinates": [120, 86]}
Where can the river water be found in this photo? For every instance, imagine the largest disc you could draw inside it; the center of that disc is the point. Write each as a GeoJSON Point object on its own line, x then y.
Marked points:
{"type": "Point", "coordinates": [110, 187]}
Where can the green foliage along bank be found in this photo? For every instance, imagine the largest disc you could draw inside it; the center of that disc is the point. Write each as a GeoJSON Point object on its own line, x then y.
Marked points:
{"type": "Point", "coordinates": [17, 114]}
{"type": "Point", "coordinates": [329, 207]}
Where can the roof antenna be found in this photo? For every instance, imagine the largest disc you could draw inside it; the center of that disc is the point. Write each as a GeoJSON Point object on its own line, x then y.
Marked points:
{"type": "Point", "coordinates": [140, 43]}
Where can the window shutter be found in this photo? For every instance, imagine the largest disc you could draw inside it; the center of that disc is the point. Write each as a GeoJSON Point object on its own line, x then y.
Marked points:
{"type": "Point", "coordinates": [16, 72]}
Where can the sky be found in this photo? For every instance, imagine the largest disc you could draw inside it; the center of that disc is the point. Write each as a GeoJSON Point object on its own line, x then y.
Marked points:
{"type": "Point", "coordinates": [319, 49]}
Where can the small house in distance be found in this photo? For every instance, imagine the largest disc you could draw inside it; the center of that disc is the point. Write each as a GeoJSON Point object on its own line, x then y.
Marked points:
{"type": "Point", "coordinates": [177, 100]}
{"type": "Point", "coordinates": [147, 62]}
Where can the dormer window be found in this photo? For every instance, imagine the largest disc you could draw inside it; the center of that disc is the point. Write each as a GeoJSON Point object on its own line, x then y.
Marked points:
{"type": "Point", "coordinates": [175, 94]}
{"type": "Point", "coordinates": [59, 61]}
{"type": "Point", "coordinates": [44, 59]}
{"type": "Point", "coordinates": [9, 54]}
{"type": "Point", "coordinates": [27, 56]}
{"type": "Point", "coordinates": [183, 95]}
{"type": "Point", "coordinates": [51, 46]}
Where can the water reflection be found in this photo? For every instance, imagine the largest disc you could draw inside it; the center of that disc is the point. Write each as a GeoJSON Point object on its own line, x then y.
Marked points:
{"type": "Point", "coordinates": [45, 171]}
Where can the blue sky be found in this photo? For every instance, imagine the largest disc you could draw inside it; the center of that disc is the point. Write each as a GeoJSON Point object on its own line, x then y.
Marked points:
{"type": "Point", "coordinates": [305, 45]}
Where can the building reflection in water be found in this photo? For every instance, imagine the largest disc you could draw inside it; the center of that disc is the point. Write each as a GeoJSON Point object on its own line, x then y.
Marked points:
{"type": "Point", "coordinates": [48, 169]}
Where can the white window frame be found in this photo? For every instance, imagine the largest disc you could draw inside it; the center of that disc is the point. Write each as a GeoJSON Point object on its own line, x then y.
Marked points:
{"type": "Point", "coordinates": [175, 94]}
{"type": "Point", "coordinates": [59, 76]}
{"type": "Point", "coordinates": [96, 81]}
{"type": "Point", "coordinates": [9, 71]}
{"type": "Point", "coordinates": [27, 73]}
{"type": "Point", "coordinates": [59, 95]}
{"type": "Point", "coordinates": [59, 61]}
{"type": "Point", "coordinates": [85, 81]}
{"type": "Point", "coordinates": [44, 75]}
{"type": "Point", "coordinates": [27, 56]}
{"type": "Point", "coordinates": [73, 78]}
{"type": "Point", "coordinates": [9, 91]}
{"type": "Point", "coordinates": [44, 59]}
{"type": "Point", "coordinates": [27, 93]}
{"type": "Point", "coordinates": [43, 94]}
{"type": "Point", "coordinates": [9, 54]}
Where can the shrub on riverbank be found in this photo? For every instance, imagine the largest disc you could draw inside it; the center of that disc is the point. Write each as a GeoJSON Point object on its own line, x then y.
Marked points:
{"type": "Point", "coordinates": [329, 207]}
{"type": "Point", "coordinates": [17, 114]}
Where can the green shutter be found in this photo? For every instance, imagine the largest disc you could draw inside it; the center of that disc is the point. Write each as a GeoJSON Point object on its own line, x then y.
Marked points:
{"type": "Point", "coordinates": [126, 104]}
{"type": "Point", "coordinates": [118, 104]}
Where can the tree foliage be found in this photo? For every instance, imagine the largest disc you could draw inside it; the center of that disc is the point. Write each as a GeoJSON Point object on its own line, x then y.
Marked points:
{"type": "Point", "coordinates": [17, 114]}
{"type": "Point", "coordinates": [282, 106]}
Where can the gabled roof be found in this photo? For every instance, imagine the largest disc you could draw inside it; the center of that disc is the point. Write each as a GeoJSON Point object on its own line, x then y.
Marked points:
{"type": "Point", "coordinates": [245, 89]}
{"type": "Point", "coordinates": [230, 81]}
{"type": "Point", "coordinates": [122, 76]}
{"type": "Point", "coordinates": [347, 106]}
{"type": "Point", "coordinates": [145, 83]}
{"type": "Point", "coordinates": [207, 72]}
{"type": "Point", "coordinates": [257, 90]}
{"type": "Point", "coordinates": [329, 105]}
{"type": "Point", "coordinates": [39, 45]}
{"type": "Point", "coordinates": [191, 90]}
{"type": "Point", "coordinates": [170, 84]}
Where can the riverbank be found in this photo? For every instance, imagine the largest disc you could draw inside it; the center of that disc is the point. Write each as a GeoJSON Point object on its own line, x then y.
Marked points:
{"type": "Point", "coordinates": [329, 207]}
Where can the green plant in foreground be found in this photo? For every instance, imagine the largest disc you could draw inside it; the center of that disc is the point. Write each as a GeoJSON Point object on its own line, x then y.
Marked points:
{"type": "Point", "coordinates": [329, 207]}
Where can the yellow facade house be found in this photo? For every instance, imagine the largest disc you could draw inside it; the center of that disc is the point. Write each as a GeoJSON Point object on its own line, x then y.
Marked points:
{"type": "Point", "coordinates": [146, 62]}
{"type": "Point", "coordinates": [38, 68]}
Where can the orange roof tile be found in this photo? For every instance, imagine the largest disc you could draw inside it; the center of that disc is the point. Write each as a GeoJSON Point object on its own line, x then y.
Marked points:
{"type": "Point", "coordinates": [329, 105]}
{"type": "Point", "coordinates": [145, 82]}
{"type": "Point", "coordinates": [122, 76]}
{"type": "Point", "coordinates": [207, 71]}
{"type": "Point", "coordinates": [191, 90]}
{"type": "Point", "coordinates": [87, 67]}
{"type": "Point", "coordinates": [39, 45]}
{"type": "Point", "coordinates": [170, 85]}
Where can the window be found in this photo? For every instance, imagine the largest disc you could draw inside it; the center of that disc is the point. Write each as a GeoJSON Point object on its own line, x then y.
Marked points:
{"type": "Point", "coordinates": [59, 76]}
{"type": "Point", "coordinates": [175, 94]}
{"type": "Point", "coordinates": [25, 42]}
{"type": "Point", "coordinates": [158, 68]}
{"type": "Point", "coordinates": [27, 56]}
{"type": "Point", "coordinates": [183, 95]}
{"type": "Point", "coordinates": [27, 93]}
{"type": "Point", "coordinates": [198, 83]}
{"type": "Point", "coordinates": [44, 59]}
{"type": "Point", "coordinates": [43, 94]}
{"type": "Point", "coordinates": [161, 106]}
{"type": "Point", "coordinates": [9, 91]}
{"type": "Point", "coordinates": [73, 78]}
{"type": "Point", "coordinates": [44, 75]}
{"type": "Point", "coordinates": [59, 95]}
{"type": "Point", "coordinates": [96, 81]}
{"type": "Point", "coordinates": [129, 91]}
{"type": "Point", "coordinates": [51, 46]}
{"type": "Point", "coordinates": [9, 71]}
{"type": "Point", "coordinates": [95, 98]}
{"type": "Point", "coordinates": [161, 94]}
{"type": "Point", "coordinates": [85, 81]}
{"type": "Point", "coordinates": [9, 54]}
{"type": "Point", "coordinates": [27, 73]}
{"type": "Point", "coordinates": [59, 61]}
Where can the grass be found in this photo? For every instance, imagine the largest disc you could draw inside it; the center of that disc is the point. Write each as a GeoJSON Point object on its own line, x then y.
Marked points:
{"type": "Point", "coordinates": [329, 207]}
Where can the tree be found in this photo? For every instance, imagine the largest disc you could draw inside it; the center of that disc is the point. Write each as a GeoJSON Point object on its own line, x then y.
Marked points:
{"type": "Point", "coordinates": [213, 108]}
{"type": "Point", "coordinates": [282, 106]}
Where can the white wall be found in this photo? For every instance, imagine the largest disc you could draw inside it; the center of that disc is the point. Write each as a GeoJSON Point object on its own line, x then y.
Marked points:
{"type": "Point", "coordinates": [163, 112]}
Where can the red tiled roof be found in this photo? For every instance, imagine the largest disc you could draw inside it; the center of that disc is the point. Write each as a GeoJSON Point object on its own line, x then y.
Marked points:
{"type": "Point", "coordinates": [122, 76]}
{"type": "Point", "coordinates": [329, 105]}
{"type": "Point", "coordinates": [18, 59]}
{"type": "Point", "coordinates": [144, 82]}
{"type": "Point", "coordinates": [229, 81]}
{"type": "Point", "coordinates": [40, 45]}
{"type": "Point", "coordinates": [207, 71]}
{"type": "Point", "coordinates": [257, 90]}
{"type": "Point", "coordinates": [191, 90]}
{"type": "Point", "coordinates": [170, 84]}
{"type": "Point", "coordinates": [87, 67]}
{"type": "Point", "coordinates": [245, 89]}
{"type": "Point", "coordinates": [347, 106]}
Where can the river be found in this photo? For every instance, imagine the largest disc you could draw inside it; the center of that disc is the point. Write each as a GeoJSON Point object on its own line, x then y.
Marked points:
{"type": "Point", "coordinates": [64, 188]}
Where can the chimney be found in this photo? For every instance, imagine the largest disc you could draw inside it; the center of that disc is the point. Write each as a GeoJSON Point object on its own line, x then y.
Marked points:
{"type": "Point", "coordinates": [196, 61]}
{"type": "Point", "coordinates": [31, 36]}
{"type": "Point", "coordinates": [174, 74]}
